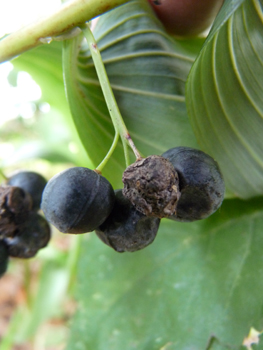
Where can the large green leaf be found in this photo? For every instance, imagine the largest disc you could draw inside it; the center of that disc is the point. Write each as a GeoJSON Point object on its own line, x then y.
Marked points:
{"type": "Point", "coordinates": [224, 97]}
{"type": "Point", "coordinates": [195, 281]}
{"type": "Point", "coordinates": [147, 71]}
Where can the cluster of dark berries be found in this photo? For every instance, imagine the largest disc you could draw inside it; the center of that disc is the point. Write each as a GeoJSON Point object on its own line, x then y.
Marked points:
{"type": "Point", "coordinates": [183, 184]}
{"type": "Point", "coordinates": [22, 230]}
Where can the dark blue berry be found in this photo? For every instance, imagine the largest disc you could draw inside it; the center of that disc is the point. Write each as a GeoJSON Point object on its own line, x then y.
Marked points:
{"type": "Point", "coordinates": [31, 182]}
{"type": "Point", "coordinates": [77, 200]}
{"type": "Point", "coordinates": [126, 229]}
{"type": "Point", "coordinates": [200, 182]}
{"type": "Point", "coordinates": [29, 237]}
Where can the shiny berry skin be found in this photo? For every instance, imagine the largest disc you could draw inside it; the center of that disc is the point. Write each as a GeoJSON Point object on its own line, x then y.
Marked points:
{"type": "Point", "coordinates": [200, 181]}
{"type": "Point", "coordinates": [77, 200]}
{"type": "Point", "coordinates": [29, 237]}
{"type": "Point", "coordinates": [31, 182]}
{"type": "Point", "coordinates": [126, 229]}
{"type": "Point", "coordinates": [3, 257]}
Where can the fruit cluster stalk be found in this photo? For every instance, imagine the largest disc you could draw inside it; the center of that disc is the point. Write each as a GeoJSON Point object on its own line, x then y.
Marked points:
{"type": "Point", "coordinates": [118, 123]}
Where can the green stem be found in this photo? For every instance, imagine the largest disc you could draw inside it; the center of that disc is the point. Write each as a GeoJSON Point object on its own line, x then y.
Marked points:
{"type": "Point", "coordinates": [68, 16]}
{"type": "Point", "coordinates": [113, 146]}
{"type": "Point", "coordinates": [113, 108]}
{"type": "Point", "coordinates": [126, 156]}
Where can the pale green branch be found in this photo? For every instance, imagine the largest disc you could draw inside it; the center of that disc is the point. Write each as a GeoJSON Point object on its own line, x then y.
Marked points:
{"type": "Point", "coordinates": [70, 15]}
{"type": "Point", "coordinates": [109, 154]}
{"type": "Point", "coordinates": [118, 123]}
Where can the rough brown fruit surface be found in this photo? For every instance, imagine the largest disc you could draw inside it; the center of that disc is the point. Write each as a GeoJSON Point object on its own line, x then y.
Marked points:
{"type": "Point", "coordinates": [15, 206]}
{"type": "Point", "coordinates": [151, 185]}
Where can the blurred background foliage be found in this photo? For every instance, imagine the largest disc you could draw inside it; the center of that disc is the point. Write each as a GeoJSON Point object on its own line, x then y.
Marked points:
{"type": "Point", "coordinates": [197, 286]}
{"type": "Point", "coordinates": [37, 133]}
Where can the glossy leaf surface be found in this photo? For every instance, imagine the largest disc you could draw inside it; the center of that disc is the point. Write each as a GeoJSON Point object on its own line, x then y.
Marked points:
{"type": "Point", "coordinates": [198, 286]}
{"type": "Point", "coordinates": [224, 97]}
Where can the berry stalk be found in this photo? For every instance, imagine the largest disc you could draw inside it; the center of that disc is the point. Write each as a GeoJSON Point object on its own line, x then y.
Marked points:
{"type": "Point", "coordinates": [108, 155]}
{"type": "Point", "coordinates": [118, 123]}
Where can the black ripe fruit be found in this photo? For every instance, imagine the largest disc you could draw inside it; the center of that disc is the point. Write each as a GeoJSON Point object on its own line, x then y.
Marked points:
{"type": "Point", "coordinates": [3, 257]}
{"type": "Point", "coordinates": [77, 200]}
{"type": "Point", "coordinates": [200, 181]}
{"type": "Point", "coordinates": [126, 229]}
{"type": "Point", "coordinates": [31, 182]}
{"type": "Point", "coordinates": [151, 185]}
{"type": "Point", "coordinates": [29, 237]}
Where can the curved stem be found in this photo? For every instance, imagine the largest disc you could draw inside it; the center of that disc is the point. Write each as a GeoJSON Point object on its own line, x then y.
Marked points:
{"type": "Point", "coordinates": [113, 108]}
{"type": "Point", "coordinates": [113, 146]}
{"type": "Point", "coordinates": [68, 16]}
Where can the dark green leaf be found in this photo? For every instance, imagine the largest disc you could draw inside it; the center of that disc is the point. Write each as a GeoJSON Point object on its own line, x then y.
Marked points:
{"type": "Point", "coordinates": [224, 97]}
{"type": "Point", "coordinates": [147, 71]}
{"type": "Point", "coordinates": [195, 281]}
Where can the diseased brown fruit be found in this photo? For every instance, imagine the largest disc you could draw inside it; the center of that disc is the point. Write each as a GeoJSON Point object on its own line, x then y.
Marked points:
{"type": "Point", "coordinates": [186, 17]}
{"type": "Point", "coordinates": [151, 185]}
{"type": "Point", "coordinates": [15, 207]}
